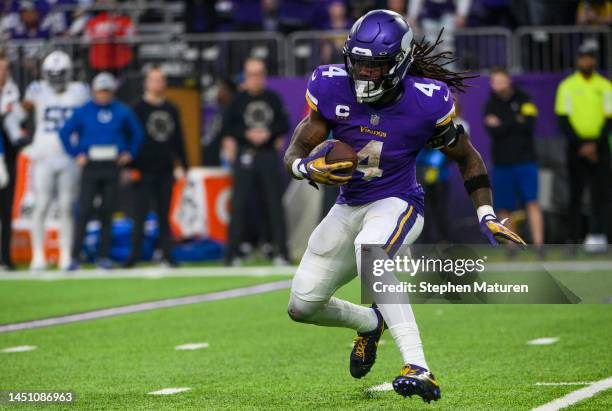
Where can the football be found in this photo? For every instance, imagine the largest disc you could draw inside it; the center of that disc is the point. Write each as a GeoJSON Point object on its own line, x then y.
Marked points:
{"type": "Point", "coordinates": [340, 152]}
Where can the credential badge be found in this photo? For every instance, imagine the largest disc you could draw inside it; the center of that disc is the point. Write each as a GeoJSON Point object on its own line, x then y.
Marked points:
{"type": "Point", "coordinates": [374, 119]}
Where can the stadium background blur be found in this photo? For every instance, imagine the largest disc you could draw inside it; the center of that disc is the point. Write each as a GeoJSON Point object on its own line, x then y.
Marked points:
{"type": "Point", "coordinates": [202, 47]}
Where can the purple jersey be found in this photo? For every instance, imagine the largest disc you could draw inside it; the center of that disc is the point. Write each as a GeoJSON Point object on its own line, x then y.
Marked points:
{"type": "Point", "coordinates": [386, 140]}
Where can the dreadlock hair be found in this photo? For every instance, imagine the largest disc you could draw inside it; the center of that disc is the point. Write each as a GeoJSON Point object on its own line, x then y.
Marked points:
{"type": "Point", "coordinates": [430, 65]}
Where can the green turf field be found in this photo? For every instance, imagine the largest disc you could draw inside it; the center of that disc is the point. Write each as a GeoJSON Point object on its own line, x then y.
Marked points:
{"type": "Point", "coordinates": [258, 359]}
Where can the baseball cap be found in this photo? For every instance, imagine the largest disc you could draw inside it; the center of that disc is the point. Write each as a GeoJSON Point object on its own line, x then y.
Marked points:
{"type": "Point", "coordinates": [104, 81]}
{"type": "Point", "coordinates": [588, 47]}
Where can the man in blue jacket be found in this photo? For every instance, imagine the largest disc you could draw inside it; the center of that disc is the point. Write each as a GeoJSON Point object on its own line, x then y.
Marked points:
{"type": "Point", "coordinates": [103, 136]}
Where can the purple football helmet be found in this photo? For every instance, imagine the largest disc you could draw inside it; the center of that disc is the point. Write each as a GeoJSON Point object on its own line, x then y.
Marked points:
{"type": "Point", "coordinates": [377, 53]}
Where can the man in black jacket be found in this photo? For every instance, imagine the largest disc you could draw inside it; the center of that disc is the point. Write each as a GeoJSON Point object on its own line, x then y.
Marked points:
{"type": "Point", "coordinates": [510, 120]}
{"type": "Point", "coordinates": [161, 157]}
{"type": "Point", "coordinates": [12, 141]}
{"type": "Point", "coordinates": [254, 123]}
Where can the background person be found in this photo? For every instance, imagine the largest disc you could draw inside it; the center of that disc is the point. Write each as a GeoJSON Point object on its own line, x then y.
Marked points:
{"type": "Point", "coordinates": [161, 157]}
{"type": "Point", "coordinates": [254, 124]}
{"type": "Point", "coordinates": [108, 136]}
{"type": "Point", "coordinates": [433, 15]}
{"type": "Point", "coordinates": [211, 140]}
{"type": "Point", "coordinates": [509, 117]}
{"type": "Point", "coordinates": [53, 100]}
{"type": "Point", "coordinates": [584, 109]}
{"type": "Point", "coordinates": [12, 140]}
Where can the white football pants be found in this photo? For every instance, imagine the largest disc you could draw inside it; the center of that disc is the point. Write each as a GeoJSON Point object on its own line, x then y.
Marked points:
{"type": "Point", "coordinates": [332, 259]}
{"type": "Point", "coordinates": [53, 175]}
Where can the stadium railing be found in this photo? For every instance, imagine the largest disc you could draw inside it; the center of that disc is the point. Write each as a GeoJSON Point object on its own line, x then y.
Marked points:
{"type": "Point", "coordinates": [134, 9]}
{"type": "Point", "coordinates": [553, 48]}
{"type": "Point", "coordinates": [200, 59]}
{"type": "Point", "coordinates": [479, 48]}
{"type": "Point", "coordinates": [482, 48]}
{"type": "Point", "coordinates": [197, 59]}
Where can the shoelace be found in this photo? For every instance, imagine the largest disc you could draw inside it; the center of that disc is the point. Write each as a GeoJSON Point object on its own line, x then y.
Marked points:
{"type": "Point", "coordinates": [408, 371]}
{"type": "Point", "coordinates": [360, 344]}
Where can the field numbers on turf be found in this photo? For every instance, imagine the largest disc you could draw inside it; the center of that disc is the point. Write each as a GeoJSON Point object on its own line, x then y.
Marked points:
{"type": "Point", "coordinates": [371, 152]}
{"type": "Point", "coordinates": [427, 89]}
{"type": "Point", "coordinates": [333, 71]}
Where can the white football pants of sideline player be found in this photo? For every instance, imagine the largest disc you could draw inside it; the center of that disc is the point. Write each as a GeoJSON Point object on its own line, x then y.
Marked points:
{"type": "Point", "coordinates": [333, 259]}
{"type": "Point", "coordinates": [53, 175]}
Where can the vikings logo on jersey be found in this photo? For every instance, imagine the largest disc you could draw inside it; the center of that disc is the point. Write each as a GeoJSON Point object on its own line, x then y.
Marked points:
{"type": "Point", "coordinates": [388, 139]}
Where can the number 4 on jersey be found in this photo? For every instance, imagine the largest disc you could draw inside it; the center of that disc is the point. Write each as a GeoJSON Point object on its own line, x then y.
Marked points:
{"type": "Point", "coordinates": [371, 152]}
{"type": "Point", "coordinates": [427, 89]}
{"type": "Point", "coordinates": [333, 71]}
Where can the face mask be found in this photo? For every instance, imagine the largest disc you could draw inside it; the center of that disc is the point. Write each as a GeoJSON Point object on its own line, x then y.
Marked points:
{"type": "Point", "coordinates": [587, 72]}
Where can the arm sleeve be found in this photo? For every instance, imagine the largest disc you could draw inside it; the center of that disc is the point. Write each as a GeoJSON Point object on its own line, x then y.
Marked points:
{"type": "Point", "coordinates": [71, 126]}
{"type": "Point", "coordinates": [493, 132]}
{"type": "Point", "coordinates": [12, 123]}
{"type": "Point", "coordinates": [567, 129]}
{"type": "Point", "coordinates": [563, 101]}
{"type": "Point", "coordinates": [444, 131]}
{"type": "Point", "coordinates": [136, 132]}
{"type": "Point", "coordinates": [232, 122]}
{"type": "Point", "coordinates": [529, 111]}
{"type": "Point", "coordinates": [281, 119]}
{"type": "Point", "coordinates": [607, 97]}
{"type": "Point", "coordinates": [312, 91]}
{"type": "Point", "coordinates": [179, 142]}
{"type": "Point", "coordinates": [32, 91]}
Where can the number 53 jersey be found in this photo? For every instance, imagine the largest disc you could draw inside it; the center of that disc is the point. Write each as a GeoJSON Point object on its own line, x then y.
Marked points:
{"type": "Point", "coordinates": [52, 111]}
{"type": "Point", "coordinates": [387, 140]}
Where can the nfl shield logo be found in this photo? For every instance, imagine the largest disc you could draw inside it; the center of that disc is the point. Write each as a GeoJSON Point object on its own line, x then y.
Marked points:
{"type": "Point", "coordinates": [374, 119]}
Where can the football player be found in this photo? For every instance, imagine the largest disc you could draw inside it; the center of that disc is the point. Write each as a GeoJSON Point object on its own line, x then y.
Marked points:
{"type": "Point", "coordinates": [52, 99]}
{"type": "Point", "coordinates": [390, 98]}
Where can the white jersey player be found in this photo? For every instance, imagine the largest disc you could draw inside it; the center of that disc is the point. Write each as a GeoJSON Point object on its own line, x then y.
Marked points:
{"type": "Point", "coordinates": [53, 99]}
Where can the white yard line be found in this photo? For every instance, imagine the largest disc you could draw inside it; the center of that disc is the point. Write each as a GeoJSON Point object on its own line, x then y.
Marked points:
{"type": "Point", "coordinates": [191, 346]}
{"type": "Point", "coordinates": [576, 396]}
{"type": "Point", "coordinates": [19, 348]}
{"type": "Point", "coordinates": [151, 272]}
{"type": "Point", "coordinates": [148, 306]}
{"type": "Point", "coordinates": [169, 391]}
{"type": "Point", "coordinates": [543, 341]}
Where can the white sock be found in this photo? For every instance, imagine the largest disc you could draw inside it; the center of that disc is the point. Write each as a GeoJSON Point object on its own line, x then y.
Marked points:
{"type": "Point", "coordinates": [65, 232]}
{"type": "Point", "coordinates": [37, 231]}
{"type": "Point", "coordinates": [357, 317]}
{"type": "Point", "coordinates": [403, 327]}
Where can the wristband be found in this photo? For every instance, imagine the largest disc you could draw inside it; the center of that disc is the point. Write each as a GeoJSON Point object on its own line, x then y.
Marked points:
{"type": "Point", "coordinates": [295, 170]}
{"type": "Point", "coordinates": [476, 183]}
{"type": "Point", "coordinates": [484, 210]}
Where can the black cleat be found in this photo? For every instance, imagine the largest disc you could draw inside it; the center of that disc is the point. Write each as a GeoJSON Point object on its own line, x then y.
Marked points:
{"type": "Point", "coordinates": [417, 380]}
{"type": "Point", "coordinates": [365, 345]}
